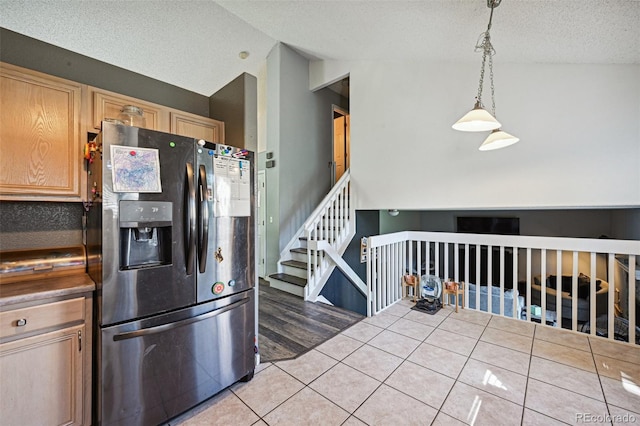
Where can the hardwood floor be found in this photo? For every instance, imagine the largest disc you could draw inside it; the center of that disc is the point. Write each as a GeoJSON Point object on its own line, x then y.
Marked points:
{"type": "Point", "coordinates": [288, 326]}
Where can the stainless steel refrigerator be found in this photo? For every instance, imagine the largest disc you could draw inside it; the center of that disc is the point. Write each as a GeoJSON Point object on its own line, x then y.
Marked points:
{"type": "Point", "coordinates": [170, 245]}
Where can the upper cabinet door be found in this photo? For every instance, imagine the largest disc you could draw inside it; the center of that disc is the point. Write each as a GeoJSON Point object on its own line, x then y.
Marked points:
{"type": "Point", "coordinates": [39, 136]}
{"type": "Point", "coordinates": [195, 126]}
{"type": "Point", "coordinates": [107, 104]}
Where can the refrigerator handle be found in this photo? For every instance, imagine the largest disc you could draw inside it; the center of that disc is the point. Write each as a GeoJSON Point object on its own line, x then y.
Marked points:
{"type": "Point", "coordinates": [191, 213]}
{"type": "Point", "coordinates": [169, 326]}
{"type": "Point", "coordinates": [204, 218]}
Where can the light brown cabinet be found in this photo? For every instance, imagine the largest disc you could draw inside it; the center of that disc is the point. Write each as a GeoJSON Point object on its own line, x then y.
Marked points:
{"type": "Point", "coordinates": [45, 362]}
{"type": "Point", "coordinates": [198, 127]}
{"type": "Point", "coordinates": [40, 143]}
{"type": "Point", "coordinates": [105, 104]}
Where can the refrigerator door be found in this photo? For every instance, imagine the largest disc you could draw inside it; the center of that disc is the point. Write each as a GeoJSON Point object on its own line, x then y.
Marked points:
{"type": "Point", "coordinates": [226, 256]}
{"type": "Point", "coordinates": [141, 237]}
{"type": "Point", "coordinates": [154, 369]}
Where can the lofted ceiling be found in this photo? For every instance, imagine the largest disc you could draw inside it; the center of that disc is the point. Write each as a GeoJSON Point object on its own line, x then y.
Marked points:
{"type": "Point", "coordinates": [195, 44]}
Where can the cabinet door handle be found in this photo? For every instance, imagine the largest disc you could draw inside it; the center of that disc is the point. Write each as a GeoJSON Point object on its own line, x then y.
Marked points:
{"type": "Point", "coordinates": [79, 340]}
{"type": "Point", "coordinates": [21, 322]}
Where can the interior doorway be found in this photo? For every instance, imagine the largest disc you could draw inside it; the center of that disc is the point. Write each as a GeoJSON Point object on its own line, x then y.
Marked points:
{"type": "Point", "coordinates": [341, 145]}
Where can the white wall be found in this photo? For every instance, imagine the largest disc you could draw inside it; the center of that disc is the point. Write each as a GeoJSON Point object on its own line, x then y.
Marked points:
{"type": "Point", "coordinates": [578, 125]}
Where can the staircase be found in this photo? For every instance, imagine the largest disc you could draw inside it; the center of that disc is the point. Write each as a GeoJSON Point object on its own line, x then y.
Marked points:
{"type": "Point", "coordinates": [307, 261]}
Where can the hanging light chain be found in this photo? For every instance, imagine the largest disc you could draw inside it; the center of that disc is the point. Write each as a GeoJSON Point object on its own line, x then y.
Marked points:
{"type": "Point", "coordinates": [484, 44]}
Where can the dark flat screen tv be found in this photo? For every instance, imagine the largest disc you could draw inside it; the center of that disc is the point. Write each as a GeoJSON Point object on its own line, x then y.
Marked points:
{"type": "Point", "coordinates": [488, 225]}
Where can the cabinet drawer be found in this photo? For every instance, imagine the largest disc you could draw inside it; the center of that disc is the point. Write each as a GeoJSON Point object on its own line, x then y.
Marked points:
{"type": "Point", "coordinates": [33, 318]}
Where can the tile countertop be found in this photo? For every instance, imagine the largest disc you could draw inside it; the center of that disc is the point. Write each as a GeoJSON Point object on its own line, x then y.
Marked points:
{"type": "Point", "coordinates": [44, 288]}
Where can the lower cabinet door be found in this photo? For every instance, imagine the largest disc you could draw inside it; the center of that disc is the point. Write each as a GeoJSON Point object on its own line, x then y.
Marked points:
{"type": "Point", "coordinates": [41, 379]}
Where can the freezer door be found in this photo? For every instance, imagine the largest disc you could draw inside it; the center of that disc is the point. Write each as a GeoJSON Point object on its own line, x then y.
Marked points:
{"type": "Point", "coordinates": [159, 225]}
{"type": "Point", "coordinates": [226, 256]}
{"type": "Point", "coordinates": [155, 369]}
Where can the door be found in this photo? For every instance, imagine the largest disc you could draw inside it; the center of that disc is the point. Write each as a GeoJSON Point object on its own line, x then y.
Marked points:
{"type": "Point", "coordinates": [147, 236]}
{"type": "Point", "coordinates": [341, 147]}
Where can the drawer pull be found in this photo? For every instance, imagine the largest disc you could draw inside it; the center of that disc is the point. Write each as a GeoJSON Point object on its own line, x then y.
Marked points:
{"type": "Point", "coordinates": [21, 322]}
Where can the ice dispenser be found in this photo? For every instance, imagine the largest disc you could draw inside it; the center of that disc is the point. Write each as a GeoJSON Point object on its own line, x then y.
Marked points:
{"type": "Point", "coordinates": [145, 233]}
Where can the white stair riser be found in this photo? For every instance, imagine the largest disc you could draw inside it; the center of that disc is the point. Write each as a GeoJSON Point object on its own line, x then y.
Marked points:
{"type": "Point", "coordinates": [296, 272]}
{"type": "Point", "coordinates": [287, 287]}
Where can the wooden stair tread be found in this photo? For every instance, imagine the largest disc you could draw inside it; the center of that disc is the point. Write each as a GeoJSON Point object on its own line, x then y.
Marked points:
{"type": "Point", "coordinates": [299, 250]}
{"type": "Point", "coordinates": [295, 264]}
{"type": "Point", "coordinates": [291, 279]}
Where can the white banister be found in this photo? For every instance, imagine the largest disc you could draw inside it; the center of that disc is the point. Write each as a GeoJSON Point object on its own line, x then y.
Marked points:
{"type": "Point", "coordinates": [390, 256]}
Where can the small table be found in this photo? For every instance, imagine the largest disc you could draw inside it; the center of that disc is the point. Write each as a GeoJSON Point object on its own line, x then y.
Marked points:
{"type": "Point", "coordinates": [455, 289]}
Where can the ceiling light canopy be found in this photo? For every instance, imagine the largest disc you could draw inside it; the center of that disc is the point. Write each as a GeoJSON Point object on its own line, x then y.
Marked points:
{"type": "Point", "coordinates": [479, 119]}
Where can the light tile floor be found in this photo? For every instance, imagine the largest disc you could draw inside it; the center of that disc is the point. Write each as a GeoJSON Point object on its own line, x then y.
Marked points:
{"type": "Point", "coordinates": [404, 367]}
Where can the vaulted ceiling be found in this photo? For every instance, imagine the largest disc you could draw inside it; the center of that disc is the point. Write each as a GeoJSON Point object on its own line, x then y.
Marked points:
{"type": "Point", "coordinates": [196, 45]}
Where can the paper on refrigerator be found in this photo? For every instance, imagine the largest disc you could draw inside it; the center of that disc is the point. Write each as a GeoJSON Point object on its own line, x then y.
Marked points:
{"type": "Point", "coordinates": [232, 187]}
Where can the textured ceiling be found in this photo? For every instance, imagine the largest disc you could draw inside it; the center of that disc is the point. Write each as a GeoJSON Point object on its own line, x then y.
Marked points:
{"type": "Point", "coordinates": [195, 44]}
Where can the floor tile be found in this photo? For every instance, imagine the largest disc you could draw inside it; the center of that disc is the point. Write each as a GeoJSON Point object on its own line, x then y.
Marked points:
{"type": "Point", "coordinates": [623, 416]}
{"type": "Point", "coordinates": [354, 421]}
{"type": "Point", "coordinates": [307, 407]}
{"type": "Point", "coordinates": [563, 337]}
{"type": "Point", "coordinates": [564, 355]}
{"type": "Point", "coordinates": [382, 320]}
{"type": "Point", "coordinates": [615, 349]}
{"type": "Point", "coordinates": [307, 367]}
{"type": "Point", "coordinates": [615, 368]}
{"type": "Point", "coordinates": [262, 366]}
{"type": "Point", "coordinates": [451, 341]}
{"type": "Point", "coordinates": [362, 331]}
{"type": "Point", "coordinates": [406, 410]}
{"type": "Point", "coordinates": [561, 404]}
{"type": "Point", "coordinates": [267, 390]}
{"type": "Point", "coordinates": [499, 356]}
{"type": "Point", "coordinates": [438, 359]}
{"type": "Point", "coordinates": [394, 343]}
{"type": "Point", "coordinates": [533, 418]}
{"type": "Point", "coordinates": [512, 325]}
{"type": "Point", "coordinates": [623, 392]}
{"type": "Point", "coordinates": [471, 315]}
{"type": "Point", "coordinates": [507, 339]}
{"type": "Point", "coordinates": [443, 419]}
{"type": "Point", "coordinates": [222, 410]}
{"type": "Point", "coordinates": [339, 347]}
{"type": "Point", "coordinates": [462, 327]}
{"type": "Point", "coordinates": [566, 377]}
{"type": "Point", "coordinates": [345, 386]}
{"type": "Point", "coordinates": [477, 407]}
{"type": "Point", "coordinates": [424, 318]}
{"type": "Point", "coordinates": [495, 380]}
{"type": "Point", "coordinates": [259, 423]}
{"type": "Point", "coordinates": [374, 362]}
{"type": "Point", "coordinates": [411, 329]}
{"type": "Point", "coordinates": [398, 309]}
{"type": "Point", "coordinates": [421, 383]}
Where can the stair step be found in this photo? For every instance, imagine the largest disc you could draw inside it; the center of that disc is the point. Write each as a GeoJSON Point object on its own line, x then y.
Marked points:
{"type": "Point", "coordinates": [291, 279]}
{"type": "Point", "coordinates": [296, 264]}
{"type": "Point", "coordinates": [302, 250]}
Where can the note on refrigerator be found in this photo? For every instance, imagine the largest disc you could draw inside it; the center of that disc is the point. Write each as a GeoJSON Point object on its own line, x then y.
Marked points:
{"type": "Point", "coordinates": [232, 190]}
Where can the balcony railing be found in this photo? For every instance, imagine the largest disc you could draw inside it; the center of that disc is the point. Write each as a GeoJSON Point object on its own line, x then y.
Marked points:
{"type": "Point", "coordinates": [592, 285]}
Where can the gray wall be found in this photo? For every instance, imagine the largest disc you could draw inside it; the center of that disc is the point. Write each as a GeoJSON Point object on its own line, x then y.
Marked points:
{"type": "Point", "coordinates": [236, 104]}
{"type": "Point", "coordinates": [579, 223]}
{"type": "Point", "coordinates": [27, 52]}
{"type": "Point", "coordinates": [299, 133]}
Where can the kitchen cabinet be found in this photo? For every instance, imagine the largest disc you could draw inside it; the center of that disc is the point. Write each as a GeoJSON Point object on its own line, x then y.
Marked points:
{"type": "Point", "coordinates": [195, 126]}
{"type": "Point", "coordinates": [105, 104]}
{"type": "Point", "coordinates": [40, 136]}
{"type": "Point", "coordinates": [45, 362]}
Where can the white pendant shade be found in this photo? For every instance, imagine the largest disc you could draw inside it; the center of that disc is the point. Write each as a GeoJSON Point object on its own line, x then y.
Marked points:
{"type": "Point", "coordinates": [477, 120]}
{"type": "Point", "coordinates": [498, 139]}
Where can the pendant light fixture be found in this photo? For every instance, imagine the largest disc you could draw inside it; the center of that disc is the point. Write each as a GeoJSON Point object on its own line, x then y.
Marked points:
{"type": "Point", "coordinates": [479, 119]}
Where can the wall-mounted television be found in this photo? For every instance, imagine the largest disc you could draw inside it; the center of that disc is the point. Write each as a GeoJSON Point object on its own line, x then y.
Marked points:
{"type": "Point", "coordinates": [488, 225]}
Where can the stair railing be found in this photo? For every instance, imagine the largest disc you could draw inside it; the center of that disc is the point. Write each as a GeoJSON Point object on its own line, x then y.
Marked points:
{"type": "Point", "coordinates": [333, 222]}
